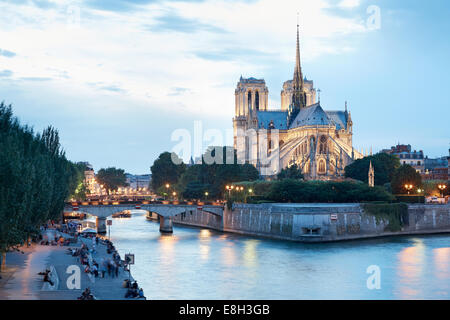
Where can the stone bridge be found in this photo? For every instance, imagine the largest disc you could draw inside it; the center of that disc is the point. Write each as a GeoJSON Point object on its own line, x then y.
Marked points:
{"type": "Point", "coordinates": [165, 212]}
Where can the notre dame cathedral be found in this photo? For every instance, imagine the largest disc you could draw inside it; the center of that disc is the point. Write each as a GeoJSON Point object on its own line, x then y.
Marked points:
{"type": "Point", "coordinates": [302, 133]}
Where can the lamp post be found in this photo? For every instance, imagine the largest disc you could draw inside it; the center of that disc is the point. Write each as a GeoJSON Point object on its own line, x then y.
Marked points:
{"type": "Point", "coordinates": [229, 188]}
{"type": "Point", "coordinates": [419, 191]}
{"type": "Point", "coordinates": [167, 190]}
{"type": "Point", "coordinates": [409, 187]}
{"type": "Point", "coordinates": [250, 192]}
{"type": "Point", "coordinates": [206, 195]}
{"type": "Point", "coordinates": [442, 187]}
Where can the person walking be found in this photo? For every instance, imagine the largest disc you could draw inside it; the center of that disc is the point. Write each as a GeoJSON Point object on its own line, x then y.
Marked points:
{"type": "Point", "coordinates": [116, 268]}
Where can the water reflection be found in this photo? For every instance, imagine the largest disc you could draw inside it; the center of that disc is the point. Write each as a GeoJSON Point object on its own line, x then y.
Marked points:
{"type": "Point", "coordinates": [441, 258]}
{"type": "Point", "coordinates": [203, 264]}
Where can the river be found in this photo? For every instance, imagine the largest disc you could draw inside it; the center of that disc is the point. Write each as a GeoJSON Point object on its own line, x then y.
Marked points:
{"type": "Point", "coordinates": [203, 264]}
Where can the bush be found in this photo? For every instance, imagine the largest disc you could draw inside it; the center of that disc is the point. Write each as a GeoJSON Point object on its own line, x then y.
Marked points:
{"type": "Point", "coordinates": [325, 192]}
{"type": "Point", "coordinates": [410, 199]}
{"type": "Point", "coordinates": [395, 213]}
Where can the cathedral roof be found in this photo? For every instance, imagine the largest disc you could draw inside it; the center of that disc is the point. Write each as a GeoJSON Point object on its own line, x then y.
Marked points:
{"type": "Point", "coordinates": [311, 116]}
{"type": "Point", "coordinates": [339, 118]}
{"type": "Point", "coordinates": [279, 119]}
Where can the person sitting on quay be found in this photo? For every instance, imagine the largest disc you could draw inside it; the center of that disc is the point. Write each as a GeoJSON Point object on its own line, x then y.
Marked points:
{"type": "Point", "coordinates": [46, 276]}
{"type": "Point", "coordinates": [86, 295]}
{"type": "Point", "coordinates": [141, 294]}
{"type": "Point", "coordinates": [132, 293]}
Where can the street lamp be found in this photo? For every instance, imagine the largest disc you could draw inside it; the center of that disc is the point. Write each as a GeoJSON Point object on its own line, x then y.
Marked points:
{"type": "Point", "coordinates": [409, 187]}
{"type": "Point", "coordinates": [206, 195]}
{"type": "Point", "coordinates": [442, 187]}
{"type": "Point", "coordinates": [229, 188]}
{"type": "Point", "coordinates": [174, 194]}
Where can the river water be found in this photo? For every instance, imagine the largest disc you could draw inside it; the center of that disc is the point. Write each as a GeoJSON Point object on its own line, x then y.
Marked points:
{"type": "Point", "coordinates": [203, 264]}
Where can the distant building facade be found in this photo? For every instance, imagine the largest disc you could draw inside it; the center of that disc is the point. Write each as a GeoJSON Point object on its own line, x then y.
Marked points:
{"type": "Point", "coordinates": [436, 169]}
{"type": "Point", "coordinates": [139, 181]}
{"type": "Point", "coordinates": [89, 178]}
{"type": "Point", "coordinates": [414, 158]}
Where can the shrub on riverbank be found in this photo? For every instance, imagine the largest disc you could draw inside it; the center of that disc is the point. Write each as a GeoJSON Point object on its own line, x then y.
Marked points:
{"type": "Point", "coordinates": [315, 192]}
{"type": "Point", "coordinates": [396, 214]}
{"type": "Point", "coordinates": [35, 179]}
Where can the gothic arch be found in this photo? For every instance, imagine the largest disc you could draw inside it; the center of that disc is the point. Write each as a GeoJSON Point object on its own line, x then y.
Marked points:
{"type": "Point", "coordinates": [322, 166]}
{"type": "Point", "coordinates": [323, 145]}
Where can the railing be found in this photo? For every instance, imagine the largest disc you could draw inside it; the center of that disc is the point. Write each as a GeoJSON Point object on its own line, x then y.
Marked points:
{"type": "Point", "coordinates": [76, 204]}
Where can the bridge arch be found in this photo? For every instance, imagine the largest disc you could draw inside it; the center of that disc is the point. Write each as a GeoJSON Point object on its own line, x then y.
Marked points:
{"type": "Point", "coordinates": [165, 212]}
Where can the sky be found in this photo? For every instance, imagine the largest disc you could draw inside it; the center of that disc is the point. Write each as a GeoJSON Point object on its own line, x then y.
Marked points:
{"type": "Point", "coordinates": [119, 78]}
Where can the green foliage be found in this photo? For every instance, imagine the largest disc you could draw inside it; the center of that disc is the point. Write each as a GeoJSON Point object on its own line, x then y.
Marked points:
{"type": "Point", "coordinates": [35, 179]}
{"type": "Point", "coordinates": [218, 168]}
{"type": "Point", "coordinates": [196, 190]}
{"type": "Point", "coordinates": [430, 188]}
{"type": "Point", "coordinates": [112, 178]}
{"type": "Point", "coordinates": [168, 168]}
{"type": "Point", "coordinates": [405, 174]}
{"type": "Point", "coordinates": [384, 166]}
{"type": "Point", "coordinates": [324, 192]}
{"type": "Point", "coordinates": [395, 213]}
{"type": "Point", "coordinates": [293, 172]}
{"type": "Point", "coordinates": [410, 199]}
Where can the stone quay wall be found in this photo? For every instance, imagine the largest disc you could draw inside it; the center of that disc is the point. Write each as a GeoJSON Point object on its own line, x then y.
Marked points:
{"type": "Point", "coordinates": [317, 222]}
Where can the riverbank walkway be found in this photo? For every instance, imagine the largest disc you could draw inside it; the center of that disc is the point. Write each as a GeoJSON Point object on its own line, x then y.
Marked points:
{"type": "Point", "coordinates": [21, 281]}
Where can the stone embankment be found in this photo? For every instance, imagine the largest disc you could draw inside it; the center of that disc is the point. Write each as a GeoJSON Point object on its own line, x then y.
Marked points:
{"type": "Point", "coordinates": [318, 222]}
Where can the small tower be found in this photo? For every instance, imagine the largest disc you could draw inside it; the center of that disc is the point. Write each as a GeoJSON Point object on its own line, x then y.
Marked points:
{"type": "Point", "coordinates": [371, 176]}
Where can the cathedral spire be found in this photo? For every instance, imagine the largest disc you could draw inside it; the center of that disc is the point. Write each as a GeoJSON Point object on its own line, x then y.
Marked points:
{"type": "Point", "coordinates": [298, 76]}
{"type": "Point", "coordinates": [298, 95]}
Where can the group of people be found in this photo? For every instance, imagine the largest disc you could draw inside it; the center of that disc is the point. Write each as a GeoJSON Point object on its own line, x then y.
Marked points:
{"type": "Point", "coordinates": [109, 266]}
{"type": "Point", "coordinates": [133, 290]}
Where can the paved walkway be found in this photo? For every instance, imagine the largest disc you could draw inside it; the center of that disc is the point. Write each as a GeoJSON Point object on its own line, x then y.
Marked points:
{"type": "Point", "coordinates": [22, 282]}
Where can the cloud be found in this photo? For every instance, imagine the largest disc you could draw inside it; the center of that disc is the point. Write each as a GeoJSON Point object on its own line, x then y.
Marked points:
{"type": "Point", "coordinates": [233, 53]}
{"type": "Point", "coordinates": [174, 22]}
{"type": "Point", "coordinates": [106, 87]}
{"type": "Point", "coordinates": [177, 91]}
{"type": "Point", "coordinates": [349, 4]}
{"type": "Point", "coordinates": [133, 48]}
{"type": "Point", "coordinates": [39, 79]}
{"type": "Point", "coordinates": [7, 54]}
{"type": "Point", "coordinates": [117, 5]}
{"type": "Point", "coordinates": [6, 73]}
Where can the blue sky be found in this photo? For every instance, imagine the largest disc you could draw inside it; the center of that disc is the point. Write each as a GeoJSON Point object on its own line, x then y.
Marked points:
{"type": "Point", "coordinates": [118, 77]}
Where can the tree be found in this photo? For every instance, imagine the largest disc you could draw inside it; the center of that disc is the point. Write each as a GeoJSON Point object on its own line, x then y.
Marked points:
{"type": "Point", "coordinates": [35, 179]}
{"type": "Point", "coordinates": [168, 168]}
{"type": "Point", "coordinates": [292, 172]}
{"type": "Point", "coordinates": [112, 178]}
{"type": "Point", "coordinates": [383, 164]}
{"type": "Point", "coordinates": [195, 190]}
{"type": "Point", "coordinates": [219, 167]}
{"type": "Point", "coordinates": [405, 175]}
